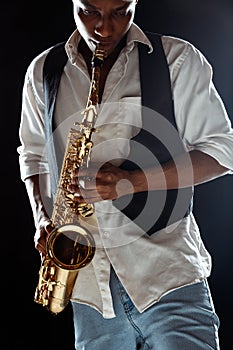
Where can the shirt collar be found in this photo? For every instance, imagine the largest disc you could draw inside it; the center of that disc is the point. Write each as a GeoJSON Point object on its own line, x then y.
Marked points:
{"type": "Point", "coordinates": [135, 35]}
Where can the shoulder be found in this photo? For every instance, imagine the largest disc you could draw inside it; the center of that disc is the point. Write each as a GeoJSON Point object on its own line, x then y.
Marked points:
{"type": "Point", "coordinates": [34, 74]}
{"type": "Point", "coordinates": [38, 61]}
{"type": "Point", "coordinates": [181, 53]}
{"type": "Point", "coordinates": [33, 80]}
{"type": "Point", "coordinates": [175, 47]}
{"type": "Point", "coordinates": [35, 68]}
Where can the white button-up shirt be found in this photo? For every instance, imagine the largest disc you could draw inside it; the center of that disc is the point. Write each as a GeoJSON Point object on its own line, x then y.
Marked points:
{"type": "Point", "coordinates": [148, 267]}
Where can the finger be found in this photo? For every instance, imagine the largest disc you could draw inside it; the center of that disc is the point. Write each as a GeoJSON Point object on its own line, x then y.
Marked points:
{"type": "Point", "coordinates": [49, 227]}
{"type": "Point", "coordinates": [42, 257]}
{"type": "Point", "coordinates": [85, 171]}
{"type": "Point", "coordinates": [87, 182]}
{"type": "Point", "coordinates": [41, 235]}
{"type": "Point", "coordinates": [87, 196]}
{"type": "Point", "coordinates": [41, 247]}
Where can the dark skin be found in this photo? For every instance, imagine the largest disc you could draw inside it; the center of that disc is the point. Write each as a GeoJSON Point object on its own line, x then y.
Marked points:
{"type": "Point", "coordinates": [107, 22]}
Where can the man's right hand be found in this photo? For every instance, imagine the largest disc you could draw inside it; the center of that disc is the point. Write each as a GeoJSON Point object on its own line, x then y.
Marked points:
{"type": "Point", "coordinates": [41, 236]}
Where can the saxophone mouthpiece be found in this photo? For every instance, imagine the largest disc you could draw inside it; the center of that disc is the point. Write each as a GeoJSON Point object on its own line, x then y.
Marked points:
{"type": "Point", "coordinates": [98, 57]}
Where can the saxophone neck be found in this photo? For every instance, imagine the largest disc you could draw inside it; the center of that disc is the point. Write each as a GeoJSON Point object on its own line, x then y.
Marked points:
{"type": "Point", "coordinates": [98, 57]}
{"type": "Point", "coordinates": [96, 64]}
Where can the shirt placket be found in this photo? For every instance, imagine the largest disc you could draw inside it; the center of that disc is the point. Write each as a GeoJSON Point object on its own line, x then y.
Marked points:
{"type": "Point", "coordinates": [102, 272]}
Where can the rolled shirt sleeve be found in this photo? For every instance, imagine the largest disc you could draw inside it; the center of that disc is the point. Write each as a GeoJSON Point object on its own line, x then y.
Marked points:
{"type": "Point", "coordinates": [32, 157]}
{"type": "Point", "coordinates": [201, 117]}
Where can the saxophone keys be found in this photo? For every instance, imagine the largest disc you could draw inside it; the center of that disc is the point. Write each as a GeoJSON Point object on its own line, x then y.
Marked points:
{"type": "Point", "coordinates": [85, 209]}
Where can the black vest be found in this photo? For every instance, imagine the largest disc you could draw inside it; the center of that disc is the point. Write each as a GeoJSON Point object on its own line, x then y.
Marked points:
{"type": "Point", "coordinates": [156, 143]}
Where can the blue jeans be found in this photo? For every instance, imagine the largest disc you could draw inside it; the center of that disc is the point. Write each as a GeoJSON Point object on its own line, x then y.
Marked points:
{"type": "Point", "coordinates": [182, 320]}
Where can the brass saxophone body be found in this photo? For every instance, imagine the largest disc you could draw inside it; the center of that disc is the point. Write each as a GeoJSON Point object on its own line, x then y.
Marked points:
{"type": "Point", "coordinates": [70, 246]}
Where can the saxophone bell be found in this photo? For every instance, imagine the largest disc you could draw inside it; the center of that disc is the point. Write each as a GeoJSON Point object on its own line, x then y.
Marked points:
{"type": "Point", "coordinates": [70, 246]}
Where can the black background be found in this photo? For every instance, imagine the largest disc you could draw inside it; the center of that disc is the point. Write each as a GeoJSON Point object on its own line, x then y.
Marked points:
{"type": "Point", "coordinates": [29, 27]}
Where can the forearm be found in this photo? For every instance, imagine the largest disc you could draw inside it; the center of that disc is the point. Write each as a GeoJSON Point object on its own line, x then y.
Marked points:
{"type": "Point", "coordinates": [38, 193]}
{"type": "Point", "coordinates": [112, 182]}
{"type": "Point", "coordinates": [187, 170]}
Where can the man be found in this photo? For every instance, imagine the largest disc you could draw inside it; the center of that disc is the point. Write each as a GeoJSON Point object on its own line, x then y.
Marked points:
{"type": "Point", "coordinates": [146, 287]}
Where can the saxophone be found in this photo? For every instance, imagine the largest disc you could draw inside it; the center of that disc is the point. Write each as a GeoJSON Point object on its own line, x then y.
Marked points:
{"type": "Point", "coordinates": [70, 246]}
